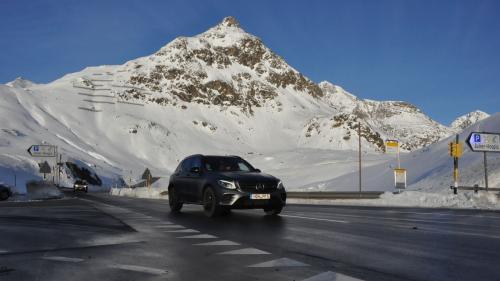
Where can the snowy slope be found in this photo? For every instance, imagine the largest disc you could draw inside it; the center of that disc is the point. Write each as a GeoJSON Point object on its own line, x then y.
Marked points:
{"type": "Point", "coordinates": [428, 169]}
{"type": "Point", "coordinates": [220, 92]}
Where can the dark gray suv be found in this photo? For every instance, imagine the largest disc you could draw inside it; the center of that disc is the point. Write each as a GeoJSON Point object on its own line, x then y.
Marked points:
{"type": "Point", "coordinates": [222, 183]}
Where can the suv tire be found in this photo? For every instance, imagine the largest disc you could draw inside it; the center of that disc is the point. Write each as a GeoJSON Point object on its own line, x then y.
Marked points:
{"type": "Point", "coordinates": [210, 203]}
{"type": "Point", "coordinates": [173, 201]}
{"type": "Point", "coordinates": [4, 195]}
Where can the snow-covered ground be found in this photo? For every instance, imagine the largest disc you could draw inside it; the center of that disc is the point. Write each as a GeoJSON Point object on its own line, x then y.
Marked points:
{"type": "Point", "coordinates": [113, 121]}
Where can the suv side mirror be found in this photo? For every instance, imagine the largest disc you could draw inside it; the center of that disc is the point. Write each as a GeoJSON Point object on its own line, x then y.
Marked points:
{"type": "Point", "coordinates": [195, 170]}
{"type": "Point", "coordinates": [257, 170]}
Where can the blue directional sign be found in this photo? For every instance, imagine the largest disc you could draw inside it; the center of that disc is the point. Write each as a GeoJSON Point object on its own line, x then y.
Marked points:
{"type": "Point", "coordinates": [484, 142]}
{"type": "Point", "coordinates": [42, 150]}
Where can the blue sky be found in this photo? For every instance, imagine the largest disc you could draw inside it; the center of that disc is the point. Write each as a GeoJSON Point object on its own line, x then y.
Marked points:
{"type": "Point", "coordinates": [443, 56]}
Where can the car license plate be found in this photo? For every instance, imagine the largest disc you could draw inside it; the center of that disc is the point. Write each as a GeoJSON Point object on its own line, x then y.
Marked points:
{"type": "Point", "coordinates": [260, 196]}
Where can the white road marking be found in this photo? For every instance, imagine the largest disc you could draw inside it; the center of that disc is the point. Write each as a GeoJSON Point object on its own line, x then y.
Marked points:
{"type": "Point", "coordinates": [173, 226]}
{"type": "Point", "coordinates": [199, 236]}
{"type": "Point", "coordinates": [183, 231]}
{"type": "Point", "coordinates": [314, 219]}
{"type": "Point", "coordinates": [283, 262]}
{"type": "Point", "coordinates": [150, 270]}
{"type": "Point", "coordinates": [331, 276]}
{"type": "Point", "coordinates": [66, 259]}
{"type": "Point", "coordinates": [162, 226]}
{"type": "Point", "coordinates": [218, 243]}
{"type": "Point", "coordinates": [402, 219]}
{"type": "Point", "coordinates": [245, 251]}
{"type": "Point", "coordinates": [3, 251]}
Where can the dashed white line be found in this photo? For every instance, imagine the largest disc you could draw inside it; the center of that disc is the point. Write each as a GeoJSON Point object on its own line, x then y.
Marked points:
{"type": "Point", "coordinates": [283, 262]}
{"type": "Point", "coordinates": [329, 276]}
{"type": "Point", "coordinates": [65, 259]}
{"type": "Point", "coordinates": [3, 251]}
{"type": "Point", "coordinates": [173, 226]}
{"type": "Point", "coordinates": [314, 219]}
{"type": "Point", "coordinates": [183, 231]}
{"type": "Point", "coordinates": [218, 243]}
{"type": "Point", "coordinates": [245, 251]}
{"type": "Point", "coordinates": [150, 270]}
{"type": "Point", "coordinates": [199, 236]}
{"type": "Point", "coordinates": [162, 226]}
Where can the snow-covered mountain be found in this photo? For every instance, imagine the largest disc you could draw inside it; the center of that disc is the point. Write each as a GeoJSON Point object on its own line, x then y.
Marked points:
{"type": "Point", "coordinates": [468, 119]}
{"type": "Point", "coordinates": [221, 92]}
{"type": "Point", "coordinates": [429, 168]}
{"type": "Point", "coordinates": [20, 82]}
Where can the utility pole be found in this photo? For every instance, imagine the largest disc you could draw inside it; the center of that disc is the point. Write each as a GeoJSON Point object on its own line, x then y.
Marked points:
{"type": "Point", "coordinates": [455, 167]}
{"type": "Point", "coordinates": [359, 155]}
{"type": "Point", "coordinates": [485, 171]}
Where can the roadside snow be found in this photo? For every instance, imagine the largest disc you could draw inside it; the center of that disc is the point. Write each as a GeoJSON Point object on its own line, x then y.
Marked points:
{"type": "Point", "coordinates": [463, 200]}
{"type": "Point", "coordinates": [141, 192]}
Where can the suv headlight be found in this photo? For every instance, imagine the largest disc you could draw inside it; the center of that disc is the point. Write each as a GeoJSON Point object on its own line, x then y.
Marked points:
{"type": "Point", "coordinates": [280, 185]}
{"type": "Point", "coordinates": [227, 184]}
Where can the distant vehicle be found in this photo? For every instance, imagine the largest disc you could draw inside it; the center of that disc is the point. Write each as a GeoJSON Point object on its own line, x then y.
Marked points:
{"type": "Point", "coordinates": [80, 185]}
{"type": "Point", "coordinates": [222, 183]}
{"type": "Point", "coordinates": [5, 192]}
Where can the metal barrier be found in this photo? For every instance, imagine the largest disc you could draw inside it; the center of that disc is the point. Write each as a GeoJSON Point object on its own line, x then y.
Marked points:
{"type": "Point", "coordinates": [334, 195]}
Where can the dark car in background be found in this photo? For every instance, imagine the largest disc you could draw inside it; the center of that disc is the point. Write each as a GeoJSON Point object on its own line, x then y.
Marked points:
{"type": "Point", "coordinates": [222, 183]}
{"type": "Point", "coordinates": [80, 185]}
{"type": "Point", "coordinates": [5, 192]}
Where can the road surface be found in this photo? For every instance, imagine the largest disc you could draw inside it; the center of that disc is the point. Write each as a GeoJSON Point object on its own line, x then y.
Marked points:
{"type": "Point", "coordinates": [102, 237]}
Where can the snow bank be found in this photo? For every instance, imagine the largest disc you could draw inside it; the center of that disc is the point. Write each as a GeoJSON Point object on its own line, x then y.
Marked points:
{"type": "Point", "coordinates": [38, 190]}
{"type": "Point", "coordinates": [463, 200]}
{"type": "Point", "coordinates": [141, 192]}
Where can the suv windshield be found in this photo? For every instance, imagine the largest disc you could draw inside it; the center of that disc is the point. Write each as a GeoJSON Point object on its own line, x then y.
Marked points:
{"type": "Point", "coordinates": [227, 164]}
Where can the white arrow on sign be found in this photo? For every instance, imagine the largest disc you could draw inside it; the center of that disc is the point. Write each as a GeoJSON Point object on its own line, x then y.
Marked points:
{"type": "Point", "coordinates": [42, 150]}
{"type": "Point", "coordinates": [484, 142]}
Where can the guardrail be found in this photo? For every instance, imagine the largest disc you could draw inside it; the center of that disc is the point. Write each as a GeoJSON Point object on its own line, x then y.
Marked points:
{"type": "Point", "coordinates": [334, 195]}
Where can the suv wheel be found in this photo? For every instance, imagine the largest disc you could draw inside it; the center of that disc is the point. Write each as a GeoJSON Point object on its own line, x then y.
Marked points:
{"type": "Point", "coordinates": [173, 201]}
{"type": "Point", "coordinates": [4, 195]}
{"type": "Point", "coordinates": [210, 204]}
{"type": "Point", "coordinates": [273, 211]}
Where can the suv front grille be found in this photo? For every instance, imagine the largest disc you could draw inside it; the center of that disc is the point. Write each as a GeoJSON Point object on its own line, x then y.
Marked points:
{"type": "Point", "coordinates": [259, 187]}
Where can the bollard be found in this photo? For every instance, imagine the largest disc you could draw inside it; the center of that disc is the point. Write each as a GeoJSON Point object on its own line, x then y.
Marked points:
{"type": "Point", "coordinates": [476, 188]}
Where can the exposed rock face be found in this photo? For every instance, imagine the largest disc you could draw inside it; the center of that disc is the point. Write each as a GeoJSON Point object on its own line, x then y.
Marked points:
{"type": "Point", "coordinates": [222, 66]}
{"type": "Point", "coordinates": [228, 70]}
{"type": "Point", "coordinates": [379, 121]}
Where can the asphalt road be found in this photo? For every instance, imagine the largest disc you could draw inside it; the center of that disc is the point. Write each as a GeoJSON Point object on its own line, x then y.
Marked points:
{"type": "Point", "coordinates": [100, 237]}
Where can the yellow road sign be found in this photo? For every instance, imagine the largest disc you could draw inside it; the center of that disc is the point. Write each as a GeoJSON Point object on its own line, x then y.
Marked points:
{"type": "Point", "coordinates": [455, 149]}
{"type": "Point", "coordinates": [400, 178]}
{"type": "Point", "coordinates": [391, 146]}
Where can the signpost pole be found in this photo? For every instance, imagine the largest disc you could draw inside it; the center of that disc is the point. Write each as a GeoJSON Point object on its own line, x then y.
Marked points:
{"type": "Point", "coordinates": [399, 161]}
{"type": "Point", "coordinates": [485, 171]}
{"type": "Point", "coordinates": [455, 167]}
{"type": "Point", "coordinates": [359, 156]}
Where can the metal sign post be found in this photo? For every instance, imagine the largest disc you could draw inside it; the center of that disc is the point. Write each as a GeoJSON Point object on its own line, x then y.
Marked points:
{"type": "Point", "coordinates": [455, 149]}
{"type": "Point", "coordinates": [484, 142]}
{"type": "Point", "coordinates": [44, 150]}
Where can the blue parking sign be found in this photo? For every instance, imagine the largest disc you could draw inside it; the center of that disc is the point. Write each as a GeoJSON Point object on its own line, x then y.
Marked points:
{"type": "Point", "coordinates": [477, 138]}
{"type": "Point", "coordinates": [36, 148]}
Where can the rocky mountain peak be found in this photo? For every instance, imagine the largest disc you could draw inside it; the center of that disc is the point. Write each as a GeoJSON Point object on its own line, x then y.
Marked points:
{"type": "Point", "coordinates": [230, 21]}
{"type": "Point", "coordinates": [468, 119]}
{"type": "Point", "coordinates": [20, 82]}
